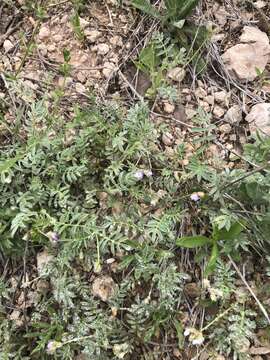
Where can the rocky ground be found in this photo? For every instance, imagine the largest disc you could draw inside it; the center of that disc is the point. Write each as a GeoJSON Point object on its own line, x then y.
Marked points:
{"type": "Point", "coordinates": [234, 91]}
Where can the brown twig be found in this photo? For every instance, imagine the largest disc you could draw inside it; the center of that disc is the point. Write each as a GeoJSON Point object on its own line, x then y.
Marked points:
{"type": "Point", "coordinates": [250, 290]}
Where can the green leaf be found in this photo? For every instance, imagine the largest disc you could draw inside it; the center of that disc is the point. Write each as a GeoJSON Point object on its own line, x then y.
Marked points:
{"type": "Point", "coordinates": [180, 9]}
{"type": "Point", "coordinates": [230, 234]}
{"type": "Point", "coordinates": [191, 242]}
{"type": "Point", "coordinates": [185, 7]}
{"type": "Point", "coordinates": [213, 260]}
{"type": "Point", "coordinates": [147, 8]}
{"type": "Point", "coordinates": [7, 164]}
{"type": "Point", "coordinates": [127, 260]}
{"type": "Point", "coordinates": [66, 55]}
{"type": "Point", "coordinates": [255, 191]}
{"type": "Point", "coordinates": [180, 333]}
{"type": "Point", "coordinates": [148, 60]}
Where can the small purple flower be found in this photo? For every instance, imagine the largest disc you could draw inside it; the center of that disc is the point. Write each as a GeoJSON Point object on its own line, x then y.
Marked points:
{"type": "Point", "coordinates": [52, 346]}
{"type": "Point", "coordinates": [195, 197]}
{"type": "Point", "coordinates": [139, 175]}
{"type": "Point", "coordinates": [53, 237]}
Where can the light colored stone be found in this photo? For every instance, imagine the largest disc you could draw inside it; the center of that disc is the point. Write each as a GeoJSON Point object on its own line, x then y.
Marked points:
{"type": "Point", "coordinates": [83, 23]}
{"type": "Point", "coordinates": [169, 152]}
{"type": "Point", "coordinates": [221, 15]}
{"type": "Point", "coordinates": [80, 88]}
{"type": "Point", "coordinates": [7, 45]}
{"type": "Point", "coordinates": [44, 33]}
{"type": "Point", "coordinates": [252, 34]}
{"type": "Point", "coordinates": [259, 118]}
{"type": "Point", "coordinates": [266, 88]}
{"type": "Point", "coordinates": [190, 113]}
{"type": "Point", "coordinates": [218, 111]}
{"type": "Point", "coordinates": [168, 107]}
{"type": "Point", "coordinates": [82, 76]}
{"type": "Point", "coordinates": [234, 115]}
{"type": "Point", "coordinates": [92, 35]}
{"type": "Point", "coordinates": [104, 287]}
{"type": "Point", "coordinates": [51, 47]}
{"type": "Point", "coordinates": [167, 139]}
{"type": "Point", "coordinates": [221, 96]}
{"type": "Point", "coordinates": [243, 60]}
{"type": "Point", "coordinates": [57, 37]}
{"type": "Point", "coordinates": [108, 69]}
{"type": "Point", "coordinates": [116, 41]}
{"type": "Point", "coordinates": [103, 49]}
{"type": "Point", "coordinates": [204, 105]}
{"type": "Point", "coordinates": [210, 99]}
{"type": "Point", "coordinates": [200, 84]}
{"type": "Point", "coordinates": [225, 128]}
{"type": "Point", "coordinates": [260, 4]}
{"type": "Point", "coordinates": [218, 37]}
{"type": "Point", "coordinates": [200, 93]}
{"type": "Point", "coordinates": [186, 91]}
{"type": "Point", "coordinates": [42, 47]}
{"type": "Point", "coordinates": [177, 74]}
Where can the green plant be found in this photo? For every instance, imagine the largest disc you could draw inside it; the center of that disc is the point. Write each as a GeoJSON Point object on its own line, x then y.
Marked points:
{"type": "Point", "coordinates": [76, 24]}
{"type": "Point", "coordinates": [175, 10]}
{"type": "Point", "coordinates": [156, 59]}
{"type": "Point", "coordinates": [233, 335]}
{"type": "Point", "coordinates": [183, 34]}
{"type": "Point", "coordinates": [100, 195]}
{"type": "Point", "coordinates": [223, 231]}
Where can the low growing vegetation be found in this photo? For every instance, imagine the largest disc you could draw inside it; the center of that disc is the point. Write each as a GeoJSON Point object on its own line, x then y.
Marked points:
{"type": "Point", "coordinates": [113, 247]}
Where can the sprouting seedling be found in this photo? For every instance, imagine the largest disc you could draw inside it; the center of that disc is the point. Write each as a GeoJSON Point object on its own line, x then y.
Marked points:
{"type": "Point", "coordinates": [217, 235]}
{"type": "Point", "coordinates": [76, 24]}
{"type": "Point", "coordinates": [65, 67]}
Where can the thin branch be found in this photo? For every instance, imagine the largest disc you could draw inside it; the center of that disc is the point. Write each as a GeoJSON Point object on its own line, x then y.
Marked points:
{"type": "Point", "coordinates": [262, 308]}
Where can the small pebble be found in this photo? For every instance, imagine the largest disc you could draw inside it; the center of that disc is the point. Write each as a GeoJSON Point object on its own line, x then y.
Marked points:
{"type": "Point", "coordinates": [210, 99]}
{"type": "Point", "coordinates": [225, 128]}
{"type": "Point", "coordinates": [190, 113]}
{"type": "Point", "coordinates": [168, 107]}
{"type": "Point", "coordinates": [92, 35]}
{"type": "Point", "coordinates": [200, 93]}
{"type": "Point", "coordinates": [108, 69]}
{"type": "Point", "coordinates": [234, 115]}
{"type": "Point", "coordinates": [220, 96]}
{"type": "Point", "coordinates": [218, 111]}
{"type": "Point", "coordinates": [44, 33]}
{"type": "Point", "coordinates": [177, 74]}
{"type": "Point", "coordinates": [7, 46]}
{"type": "Point", "coordinates": [167, 139]}
{"type": "Point", "coordinates": [103, 49]}
{"type": "Point", "coordinates": [80, 88]}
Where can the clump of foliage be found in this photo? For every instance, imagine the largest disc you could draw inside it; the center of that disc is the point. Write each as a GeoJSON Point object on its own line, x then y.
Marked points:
{"type": "Point", "coordinates": [101, 186]}
{"type": "Point", "coordinates": [175, 10]}
{"type": "Point", "coordinates": [160, 56]}
{"type": "Point", "coordinates": [180, 34]}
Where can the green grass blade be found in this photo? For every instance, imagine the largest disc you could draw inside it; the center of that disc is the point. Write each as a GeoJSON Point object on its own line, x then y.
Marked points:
{"type": "Point", "coordinates": [192, 242]}
{"type": "Point", "coordinates": [213, 260]}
